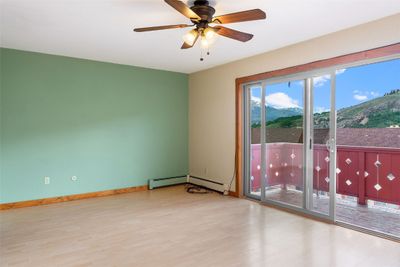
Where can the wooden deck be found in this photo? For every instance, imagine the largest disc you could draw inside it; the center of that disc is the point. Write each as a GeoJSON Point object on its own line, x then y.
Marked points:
{"type": "Point", "coordinates": [372, 216]}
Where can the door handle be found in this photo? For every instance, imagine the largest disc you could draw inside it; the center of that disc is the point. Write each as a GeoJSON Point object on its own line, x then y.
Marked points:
{"type": "Point", "coordinates": [330, 145]}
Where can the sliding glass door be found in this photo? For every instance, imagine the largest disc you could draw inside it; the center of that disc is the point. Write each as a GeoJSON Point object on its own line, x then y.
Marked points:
{"type": "Point", "coordinates": [289, 158]}
{"type": "Point", "coordinates": [327, 143]}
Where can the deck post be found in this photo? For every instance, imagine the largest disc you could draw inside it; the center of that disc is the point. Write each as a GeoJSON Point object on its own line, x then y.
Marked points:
{"type": "Point", "coordinates": [361, 178]}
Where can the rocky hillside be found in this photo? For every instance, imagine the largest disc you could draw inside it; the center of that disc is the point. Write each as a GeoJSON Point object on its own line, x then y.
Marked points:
{"type": "Point", "coordinates": [380, 112]}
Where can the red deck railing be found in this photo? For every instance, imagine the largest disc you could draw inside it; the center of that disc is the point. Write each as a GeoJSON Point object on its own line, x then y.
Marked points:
{"type": "Point", "coordinates": [363, 172]}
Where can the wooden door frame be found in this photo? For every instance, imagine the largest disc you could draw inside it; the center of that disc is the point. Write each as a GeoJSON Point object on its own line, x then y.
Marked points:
{"type": "Point", "coordinates": [325, 63]}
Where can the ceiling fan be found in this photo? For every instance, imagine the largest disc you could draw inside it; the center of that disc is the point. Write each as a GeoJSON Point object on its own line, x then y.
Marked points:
{"type": "Point", "coordinates": [201, 15]}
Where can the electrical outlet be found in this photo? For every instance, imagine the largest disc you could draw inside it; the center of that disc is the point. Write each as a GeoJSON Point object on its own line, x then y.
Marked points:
{"type": "Point", "coordinates": [46, 180]}
{"type": "Point", "coordinates": [205, 171]}
{"type": "Point", "coordinates": [74, 178]}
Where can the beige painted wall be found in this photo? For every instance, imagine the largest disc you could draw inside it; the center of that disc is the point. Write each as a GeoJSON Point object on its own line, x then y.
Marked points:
{"type": "Point", "coordinates": [212, 92]}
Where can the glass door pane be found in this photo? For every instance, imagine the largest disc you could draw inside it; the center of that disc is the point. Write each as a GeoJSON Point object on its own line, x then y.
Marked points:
{"type": "Point", "coordinates": [368, 146]}
{"type": "Point", "coordinates": [322, 140]}
{"type": "Point", "coordinates": [284, 142]}
{"type": "Point", "coordinates": [254, 141]}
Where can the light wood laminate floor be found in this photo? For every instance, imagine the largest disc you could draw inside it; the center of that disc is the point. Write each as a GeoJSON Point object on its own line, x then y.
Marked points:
{"type": "Point", "coordinates": [169, 227]}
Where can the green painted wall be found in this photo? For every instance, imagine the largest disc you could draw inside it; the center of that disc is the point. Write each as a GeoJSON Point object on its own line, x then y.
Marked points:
{"type": "Point", "coordinates": [112, 126]}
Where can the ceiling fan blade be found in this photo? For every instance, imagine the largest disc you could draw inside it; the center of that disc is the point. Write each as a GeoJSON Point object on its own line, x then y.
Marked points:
{"type": "Point", "coordinates": [234, 34]}
{"type": "Point", "coordinates": [254, 14]}
{"type": "Point", "coordinates": [187, 46]}
{"type": "Point", "coordinates": [183, 9]}
{"type": "Point", "coordinates": [165, 27]}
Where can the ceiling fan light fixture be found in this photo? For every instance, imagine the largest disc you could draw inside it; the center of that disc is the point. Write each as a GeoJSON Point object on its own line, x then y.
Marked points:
{"type": "Point", "coordinates": [205, 44]}
{"type": "Point", "coordinates": [201, 14]}
{"type": "Point", "coordinates": [190, 37]}
{"type": "Point", "coordinates": [209, 34]}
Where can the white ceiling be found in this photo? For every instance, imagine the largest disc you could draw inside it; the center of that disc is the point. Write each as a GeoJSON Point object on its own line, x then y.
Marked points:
{"type": "Point", "coordinates": [102, 29]}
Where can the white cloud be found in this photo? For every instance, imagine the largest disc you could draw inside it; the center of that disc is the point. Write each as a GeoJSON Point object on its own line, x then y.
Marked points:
{"type": "Point", "coordinates": [364, 95]}
{"type": "Point", "coordinates": [360, 97]}
{"type": "Point", "coordinates": [281, 100]}
{"type": "Point", "coordinates": [341, 71]}
{"type": "Point", "coordinates": [321, 80]}
{"type": "Point", "coordinates": [374, 94]}
{"type": "Point", "coordinates": [321, 109]}
{"type": "Point", "coordinates": [256, 99]}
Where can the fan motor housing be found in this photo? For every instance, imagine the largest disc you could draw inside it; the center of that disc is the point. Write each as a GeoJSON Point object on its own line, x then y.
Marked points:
{"type": "Point", "coordinates": [204, 10]}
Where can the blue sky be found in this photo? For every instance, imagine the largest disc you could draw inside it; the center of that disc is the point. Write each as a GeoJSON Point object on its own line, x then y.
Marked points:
{"type": "Point", "coordinates": [353, 86]}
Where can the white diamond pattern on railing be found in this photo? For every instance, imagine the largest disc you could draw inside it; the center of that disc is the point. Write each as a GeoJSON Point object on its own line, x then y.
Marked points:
{"type": "Point", "coordinates": [391, 177]}
{"type": "Point", "coordinates": [378, 187]}
{"type": "Point", "coordinates": [386, 166]}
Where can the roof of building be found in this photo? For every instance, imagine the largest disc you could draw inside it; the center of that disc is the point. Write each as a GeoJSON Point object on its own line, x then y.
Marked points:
{"type": "Point", "coordinates": [367, 137]}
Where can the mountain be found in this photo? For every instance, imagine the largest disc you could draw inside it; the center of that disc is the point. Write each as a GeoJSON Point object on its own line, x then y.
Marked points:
{"type": "Point", "coordinates": [271, 113]}
{"type": "Point", "coordinates": [381, 112]}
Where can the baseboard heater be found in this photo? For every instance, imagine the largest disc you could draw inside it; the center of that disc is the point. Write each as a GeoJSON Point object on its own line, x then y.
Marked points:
{"type": "Point", "coordinates": [187, 179]}
{"type": "Point", "coordinates": [214, 185]}
{"type": "Point", "coordinates": [167, 181]}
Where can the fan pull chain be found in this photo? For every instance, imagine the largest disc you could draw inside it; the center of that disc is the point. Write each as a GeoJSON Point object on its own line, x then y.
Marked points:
{"type": "Point", "coordinates": [201, 54]}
